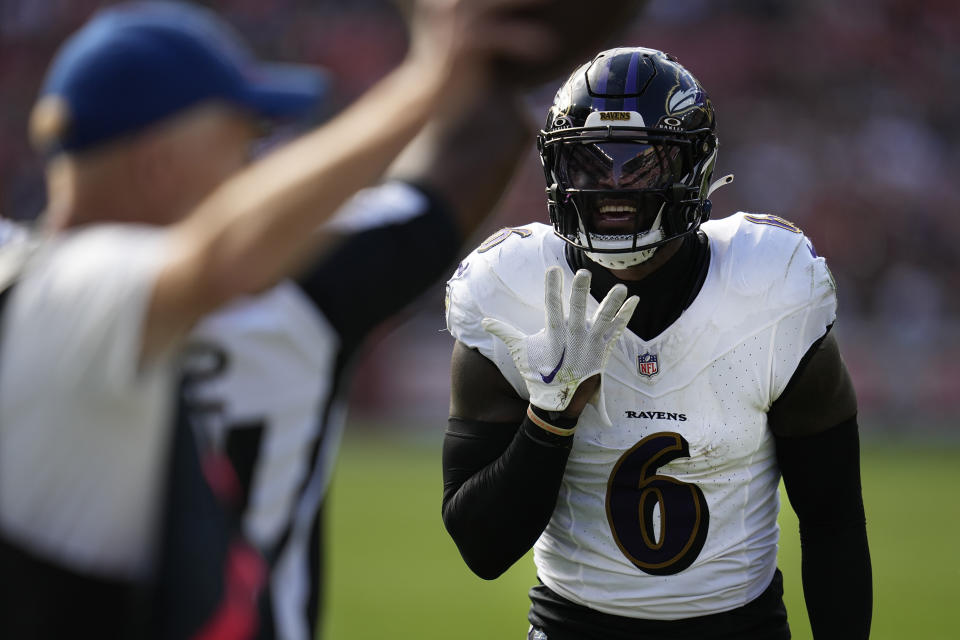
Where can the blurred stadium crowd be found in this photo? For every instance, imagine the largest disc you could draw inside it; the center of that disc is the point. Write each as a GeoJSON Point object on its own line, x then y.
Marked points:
{"type": "Point", "coordinates": [840, 116]}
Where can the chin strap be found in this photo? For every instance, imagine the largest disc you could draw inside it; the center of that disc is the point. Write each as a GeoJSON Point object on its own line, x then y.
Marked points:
{"type": "Point", "coordinates": [722, 182]}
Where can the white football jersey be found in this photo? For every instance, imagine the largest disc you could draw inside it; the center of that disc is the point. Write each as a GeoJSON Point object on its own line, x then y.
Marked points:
{"type": "Point", "coordinates": [671, 512]}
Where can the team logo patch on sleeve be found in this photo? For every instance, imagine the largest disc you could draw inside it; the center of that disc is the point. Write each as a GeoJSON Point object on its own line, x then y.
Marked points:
{"type": "Point", "coordinates": [647, 364]}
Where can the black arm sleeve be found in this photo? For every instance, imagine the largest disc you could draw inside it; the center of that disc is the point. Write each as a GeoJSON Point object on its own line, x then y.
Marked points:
{"type": "Point", "coordinates": [821, 473]}
{"type": "Point", "coordinates": [373, 273]}
{"type": "Point", "coordinates": [500, 486]}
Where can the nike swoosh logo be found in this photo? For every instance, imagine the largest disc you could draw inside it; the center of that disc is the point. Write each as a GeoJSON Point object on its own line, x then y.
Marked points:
{"type": "Point", "coordinates": [553, 374]}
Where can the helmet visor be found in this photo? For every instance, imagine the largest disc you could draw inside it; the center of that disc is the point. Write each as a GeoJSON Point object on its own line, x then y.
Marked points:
{"type": "Point", "coordinates": [620, 165]}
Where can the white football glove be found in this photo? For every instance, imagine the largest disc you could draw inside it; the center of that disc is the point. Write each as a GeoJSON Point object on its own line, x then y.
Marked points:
{"type": "Point", "coordinates": [558, 358]}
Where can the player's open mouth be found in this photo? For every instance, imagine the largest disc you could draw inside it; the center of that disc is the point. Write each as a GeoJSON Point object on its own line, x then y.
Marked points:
{"type": "Point", "coordinates": [617, 211]}
{"type": "Point", "coordinates": [615, 217]}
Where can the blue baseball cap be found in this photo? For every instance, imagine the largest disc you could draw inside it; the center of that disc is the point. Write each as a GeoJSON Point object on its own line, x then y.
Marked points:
{"type": "Point", "coordinates": [137, 63]}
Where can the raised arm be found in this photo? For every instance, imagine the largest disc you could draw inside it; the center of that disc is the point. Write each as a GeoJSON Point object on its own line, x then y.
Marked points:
{"type": "Point", "coordinates": [260, 226]}
{"type": "Point", "coordinates": [503, 459]}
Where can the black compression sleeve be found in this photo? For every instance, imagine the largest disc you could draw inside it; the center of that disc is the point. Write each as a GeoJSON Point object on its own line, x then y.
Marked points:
{"type": "Point", "coordinates": [500, 486]}
{"type": "Point", "coordinates": [822, 477]}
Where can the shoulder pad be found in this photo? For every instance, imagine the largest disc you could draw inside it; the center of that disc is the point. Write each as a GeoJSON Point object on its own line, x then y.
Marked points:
{"type": "Point", "coordinates": [503, 279]}
{"type": "Point", "coordinates": [504, 271]}
{"type": "Point", "coordinates": [519, 250]}
{"type": "Point", "coordinates": [765, 255]}
{"type": "Point", "coordinates": [771, 272]}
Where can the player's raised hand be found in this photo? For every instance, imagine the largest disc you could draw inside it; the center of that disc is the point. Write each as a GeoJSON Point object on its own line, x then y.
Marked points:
{"type": "Point", "coordinates": [571, 348]}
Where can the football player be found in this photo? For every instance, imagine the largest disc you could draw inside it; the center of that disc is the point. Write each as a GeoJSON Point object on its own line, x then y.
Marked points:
{"type": "Point", "coordinates": [637, 444]}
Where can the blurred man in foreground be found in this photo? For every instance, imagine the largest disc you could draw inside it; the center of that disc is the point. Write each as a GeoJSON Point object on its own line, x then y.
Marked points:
{"type": "Point", "coordinates": [266, 377]}
{"type": "Point", "coordinates": [148, 115]}
{"type": "Point", "coordinates": [637, 444]}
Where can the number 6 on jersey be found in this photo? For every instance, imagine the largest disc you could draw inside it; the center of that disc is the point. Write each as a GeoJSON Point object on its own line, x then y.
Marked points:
{"type": "Point", "coordinates": [635, 490]}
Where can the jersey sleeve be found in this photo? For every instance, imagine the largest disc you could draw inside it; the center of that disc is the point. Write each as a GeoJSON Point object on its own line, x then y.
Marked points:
{"type": "Point", "coordinates": [472, 294]}
{"type": "Point", "coordinates": [395, 240]}
{"type": "Point", "coordinates": [463, 313]}
{"type": "Point", "coordinates": [81, 303]}
{"type": "Point", "coordinates": [808, 295]}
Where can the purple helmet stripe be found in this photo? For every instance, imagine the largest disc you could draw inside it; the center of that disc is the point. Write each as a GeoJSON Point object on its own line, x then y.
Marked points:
{"type": "Point", "coordinates": [630, 104]}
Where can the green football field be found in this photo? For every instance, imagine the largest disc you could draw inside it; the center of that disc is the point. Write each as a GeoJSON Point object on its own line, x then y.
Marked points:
{"type": "Point", "coordinates": [394, 573]}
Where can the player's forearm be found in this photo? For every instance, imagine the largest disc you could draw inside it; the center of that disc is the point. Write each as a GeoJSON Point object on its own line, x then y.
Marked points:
{"type": "Point", "coordinates": [822, 478]}
{"type": "Point", "coordinates": [837, 581]}
{"type": "Point", "coordinates": [499, 490]}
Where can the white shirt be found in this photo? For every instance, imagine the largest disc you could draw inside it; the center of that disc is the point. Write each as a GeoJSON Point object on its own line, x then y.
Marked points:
{"type": "Point", "coordinates": [84, 431]}
{"type": "Point", "coordinates": [671, 512]}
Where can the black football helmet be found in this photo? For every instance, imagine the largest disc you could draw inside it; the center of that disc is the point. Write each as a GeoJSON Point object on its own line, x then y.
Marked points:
{"type": "Point", "coordinates": [628, 150]}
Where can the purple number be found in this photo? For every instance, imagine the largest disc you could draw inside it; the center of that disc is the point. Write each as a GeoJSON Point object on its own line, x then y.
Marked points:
{"type": "Point", "coordinates": [635, 490]}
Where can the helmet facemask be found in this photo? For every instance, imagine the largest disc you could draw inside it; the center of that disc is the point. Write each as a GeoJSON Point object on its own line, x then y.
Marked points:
{"type": "Point", "coordinates": [619, 193]}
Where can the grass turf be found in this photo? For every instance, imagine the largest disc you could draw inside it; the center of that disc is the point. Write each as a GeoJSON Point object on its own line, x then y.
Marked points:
{"type": "Point", "coordinates": [394, 573]}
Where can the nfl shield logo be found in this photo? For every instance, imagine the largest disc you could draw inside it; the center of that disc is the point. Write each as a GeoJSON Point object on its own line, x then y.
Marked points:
{"type": "Point", "coordinates": [647, 364]}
